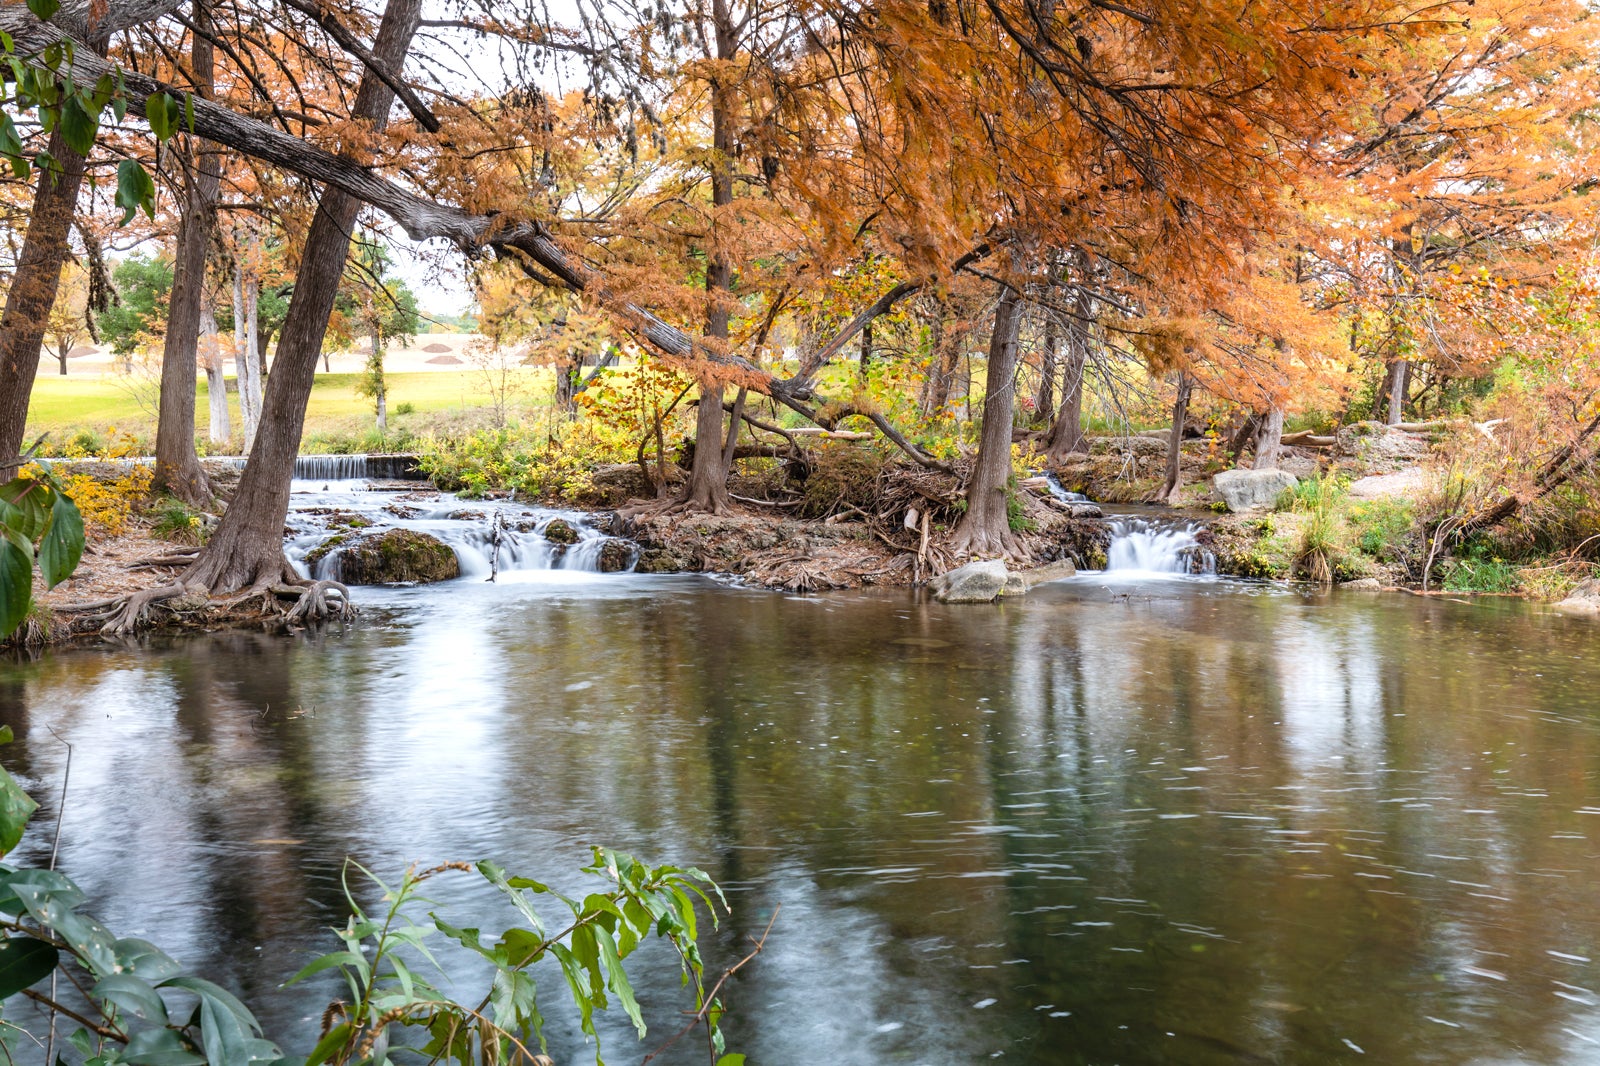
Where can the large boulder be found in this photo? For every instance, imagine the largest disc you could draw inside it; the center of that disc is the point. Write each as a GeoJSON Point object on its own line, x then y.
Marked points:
{"type": "Point", "coordinates": [973, 583]}
{"type": "Point", "coordinates": [392, 557]}
{"type": "Point", "coordinates": [1252, 490]}
{"type": "Point", "coordinates": [616, 556]}
{"type": "Point", "coordinates": [1585, 599]}
{"type": "Point", "coordinates": [560, 531]}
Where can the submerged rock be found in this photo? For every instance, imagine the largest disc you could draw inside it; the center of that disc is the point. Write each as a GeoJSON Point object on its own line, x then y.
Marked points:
{"type": "Point", "coordinates": [1061, 568]}
{"type": "Point", "coordinates": [973, 583]}
{"type": "Point", "coordinates": [1251, 490]}
{"type": "Point", "coordinates": [392, 557]}
{"type": "Point", "coordinates": [1585, 599]}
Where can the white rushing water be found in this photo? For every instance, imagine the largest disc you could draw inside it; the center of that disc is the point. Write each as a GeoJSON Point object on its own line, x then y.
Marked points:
{"type": "Point", "coordinates": [1143, 547]}
{"type": "Point", "coordinates": [488, 536]}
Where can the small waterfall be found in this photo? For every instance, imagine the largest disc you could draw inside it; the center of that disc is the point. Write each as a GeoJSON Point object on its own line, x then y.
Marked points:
{"type": "Point", "coordinates": [1143, 546]}
{"type": "Point", "coordinates": [1063, 494]}
{"type": "Point", "coordinates": [488, 537]}
{"type": "Point", "coordinates": [396, 467]}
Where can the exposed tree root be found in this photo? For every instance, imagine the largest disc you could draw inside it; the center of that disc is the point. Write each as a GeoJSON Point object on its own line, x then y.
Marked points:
{"type": "Point", "coordinates": [307, 602]}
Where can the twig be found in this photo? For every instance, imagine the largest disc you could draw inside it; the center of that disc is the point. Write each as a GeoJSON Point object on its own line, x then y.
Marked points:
{"type": "Point", "coordinates": [710, 998]}
{"type": "Point", "coordinates": [55, 849]}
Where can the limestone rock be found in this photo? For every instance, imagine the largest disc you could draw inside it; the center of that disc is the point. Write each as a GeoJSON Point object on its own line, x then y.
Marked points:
{"type": "Point", "coordinates": [1363, 584]}
{"type": "Point", "coordinates": [1379, 446]}
{"type": "Point", "coordinates": [1015, 585]}
{"type": "Point", "coordinates": [615, 556]}
{"type": "Point", "coordinates": [1250, 490]}
{"type": "Point", "coordinates": [973, 583]}
{"type": "Point", "coordinates": [1055, 571]}
{"type": "Point", "coordinates": [1403, 484]}
{"type": "Point", "coordinates": [560, 531]}
{"type": "Point", "coordinates": [392, 557]}
{"type": "Point", "coordinates": [1585, 599]}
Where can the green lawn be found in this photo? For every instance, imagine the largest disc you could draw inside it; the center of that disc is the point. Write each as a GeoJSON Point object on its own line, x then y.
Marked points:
{"type": "Point", "coordinates": [65, 406]}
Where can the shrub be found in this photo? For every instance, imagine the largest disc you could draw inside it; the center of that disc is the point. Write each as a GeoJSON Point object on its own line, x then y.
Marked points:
{"type": "Point", "coordinates": [176, 520]}
{"type": "Point", "coordinates": [407, 408]}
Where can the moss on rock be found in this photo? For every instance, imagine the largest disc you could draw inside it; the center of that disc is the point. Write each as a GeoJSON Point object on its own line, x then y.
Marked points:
{"type": "Point", "coordinates": [392, 557]}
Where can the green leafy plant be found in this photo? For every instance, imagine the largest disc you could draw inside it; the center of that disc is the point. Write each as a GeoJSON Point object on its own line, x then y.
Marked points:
{"type": "Point", "coordinates": [176, 520]}
{"type": "Point", "coordinates": [40, 524]}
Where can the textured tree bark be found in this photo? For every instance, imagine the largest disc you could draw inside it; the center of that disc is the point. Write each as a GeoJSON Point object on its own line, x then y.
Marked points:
{"type": "Point", "coordinates": [986, 527]}
{"type": "Point", "coordinates": [1180, 413]}
{"type": "Point", "coordinates": [177, 469]}
{"type": "Point", "coordinates": [1269, 439]}
{"type": "Point", "coordinates": [380, 388]}
{"type": "Point", "coordinates": [246, 551]}
{"type": "Point", "coordinates": [1399, 382]}
{"type": "Point", "coordinates": [33, 293]}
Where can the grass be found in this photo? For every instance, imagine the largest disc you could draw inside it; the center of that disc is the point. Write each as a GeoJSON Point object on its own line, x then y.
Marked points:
{"type": "Point", "coordinates": [66, 406]}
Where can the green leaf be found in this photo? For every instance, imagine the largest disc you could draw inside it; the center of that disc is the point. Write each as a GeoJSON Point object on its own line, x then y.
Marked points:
{"type": "Point", "coordinates": [163, 111]}
{"type": "Point", "coordinates": [16, 807]}
{"type": "Point", "coordinates": [44, 8]}
{"type": "Point", "coordinates": [16, 593]}
{"type": "Point", "coordinates": [144, 959]}
{"type": "Point", "coordinates": [159, 1047]}
{"type": "Point", "coordinates": [617, 981]}
{"type": "Point", "coordinates": [134, 995]}
{"type": "Point", "coordinates": [30, 511]}
{"type": "Point", "coordinates": [732, 1058]}
{"type": "Point", "coordinates": [24, 962]}
{"type": "Point", "coordinates": [78, 127]}
{"type": "Point", "coordinates": [62, 544]}
{"type": "Point", "coordinates": [135, 191]}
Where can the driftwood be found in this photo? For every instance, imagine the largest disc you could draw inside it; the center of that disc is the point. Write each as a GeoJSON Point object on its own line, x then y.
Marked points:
{"type": "Point", "coordinates": [1308, 438]}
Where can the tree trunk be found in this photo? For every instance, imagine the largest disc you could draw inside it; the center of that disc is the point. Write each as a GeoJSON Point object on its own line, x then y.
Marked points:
{"type": "Point", "coordinates": [986, 527]}
{"type": "Point", "coordinates": [707, 489]}
{"type": "Point", "coordinates": [33, 293]}
{"type": "Point", "coordinates": [1180, 413]}
{"type": "Point", "coordinates": [62, 352]}
{"type": "Point", "coordinates": [216, 379]}
{"type": "Point", "coordinates": [1066, 434]}
{"type": "Point", "coordinates": [1049, 366]}
{"type": "Point", "coordinates": [245, 366]}
{"type": "Point", "coordinates": [948, 349]}
{"type": "Point", "coordinates": [1399, 380]}
{"type": "Point", "coordinates": [177, 469]}
{"type": "Point", "coordinates": [246, 551]}
{"type": "Point", "coordinates": [1244, 437]}
{"type": "Point", "coordinates": [866, 347]}
{"type": "Point", "coordinates": [1269, 439]}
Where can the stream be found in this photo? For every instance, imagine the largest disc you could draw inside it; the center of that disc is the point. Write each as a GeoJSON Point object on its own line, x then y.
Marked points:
{"type": "Point", "coordinates": [1146, 816]}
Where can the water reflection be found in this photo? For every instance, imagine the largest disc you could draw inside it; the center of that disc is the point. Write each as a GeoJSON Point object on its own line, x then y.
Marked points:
{"type": "Point", "coordinates": [1184, 822]}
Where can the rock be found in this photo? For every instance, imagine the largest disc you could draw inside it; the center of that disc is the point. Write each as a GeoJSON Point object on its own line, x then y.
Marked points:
{"type": "Point", "coordinates": [560, 531]}
{"type": "Point", "coordinates": [973, 583]}
{"type": "Point", "coordinates": [616, 556]}
{"type": "Point", "coordinates": [466, 515]}
{"type": "Point", "coordinates": [1363, 584]}
{"type": "Point", "coordinates": [1055, 571]}
{"type": "Point", "coordinates": [1250, 490]}
{"type": "Point", "coordinates": [1585, 599]}
{"type": "Point", "coordinates": [1015, 586]}
{"type": "Point", "coordinates": [1378, 445]}
{"type": "Point", "coordinates": [1403, 484]}
{"type": "Point", "coordinates": [389, 558]}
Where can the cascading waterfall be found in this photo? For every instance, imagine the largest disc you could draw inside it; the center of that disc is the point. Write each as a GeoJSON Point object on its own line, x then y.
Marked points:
{"type": "Point", "coordinates": [1146, 546]}
{"type": "Point", "coordinates": [488, 537]}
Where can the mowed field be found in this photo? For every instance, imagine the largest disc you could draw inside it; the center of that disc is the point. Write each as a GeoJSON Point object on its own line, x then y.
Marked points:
{"type": "Point", "coordinates": [63, 406]}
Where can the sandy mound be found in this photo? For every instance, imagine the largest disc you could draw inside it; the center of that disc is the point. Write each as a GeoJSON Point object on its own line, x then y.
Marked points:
{"type": "Point", "coordinates": [82, 350]}
{"type": "Point", "coordinates": [437, 349]}
{"type": "Point", "coordinates": [444, 360]}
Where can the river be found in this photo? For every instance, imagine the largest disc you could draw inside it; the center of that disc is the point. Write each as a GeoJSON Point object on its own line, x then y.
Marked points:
{"type": "Point", "coordinates": [1140, 820]}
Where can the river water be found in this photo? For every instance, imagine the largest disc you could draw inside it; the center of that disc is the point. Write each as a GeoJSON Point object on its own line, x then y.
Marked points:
{"type": "Point", "coordinates": [1163, 820]}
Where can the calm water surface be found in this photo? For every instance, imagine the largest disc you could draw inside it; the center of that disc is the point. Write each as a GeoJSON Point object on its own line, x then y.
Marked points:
{"type": "Point", "coordinates": [1151, 822]}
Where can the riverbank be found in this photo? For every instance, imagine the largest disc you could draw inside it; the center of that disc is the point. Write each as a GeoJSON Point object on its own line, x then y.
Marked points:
{"type": "Point", "coordinates": [1351, 519]}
